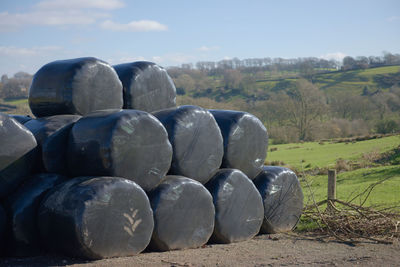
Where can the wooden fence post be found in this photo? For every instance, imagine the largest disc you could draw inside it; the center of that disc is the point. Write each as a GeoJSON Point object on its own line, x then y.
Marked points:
{"type": "Point", "coordinates": [331, 186]}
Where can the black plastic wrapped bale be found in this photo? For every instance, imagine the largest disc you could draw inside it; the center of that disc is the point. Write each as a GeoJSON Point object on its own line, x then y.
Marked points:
{"type": "Point", "coordinates": [283, 199]}
{"type": "Point", "coordinates": [24, 238]}
{"type": "Point", "coordinates": [3, 221]}
{"type": "Point", "coordinates": [51, 134]}
{"type": "Point", "coordinates": [146, 86]}
{"type": "Point", "coordinates": [17, 154]}
{"type": "Point", "coordinates": [183, 214]}
{"type": "Point", "coordinates": [239, 210]}
{"type": "Point", "coordinates": [22, 118]}
{"type": "Point", "coordinates": [96, 218]}
{"type": "Point", "coordinates": [196, 141]}
{"type": "Point", "coordinates": [245, 141]}
{"type": "Point", "coordinates": [124, 143]}
{"type": "Point", "coordinates": [75, 86]}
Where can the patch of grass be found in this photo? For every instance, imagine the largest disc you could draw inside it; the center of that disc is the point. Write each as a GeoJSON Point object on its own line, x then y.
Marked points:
{"type": "Point", "coordinates": [326, 155]}
{"type": "Point", "coordinates": [15, 106]}
{"type": "Point", "coordinates": [352, 183]}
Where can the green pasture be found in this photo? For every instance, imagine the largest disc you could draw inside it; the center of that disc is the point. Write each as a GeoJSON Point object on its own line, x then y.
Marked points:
{"type": "Point", "coordinates": [310, 155]}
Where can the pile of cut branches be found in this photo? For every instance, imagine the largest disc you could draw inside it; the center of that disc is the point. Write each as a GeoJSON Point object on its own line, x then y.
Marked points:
{"type": "Point", "coordinates": [354, 223]}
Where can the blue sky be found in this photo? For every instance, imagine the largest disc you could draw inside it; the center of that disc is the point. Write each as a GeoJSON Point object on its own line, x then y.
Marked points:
{"type": "Point", "coordinates": [169, 33]}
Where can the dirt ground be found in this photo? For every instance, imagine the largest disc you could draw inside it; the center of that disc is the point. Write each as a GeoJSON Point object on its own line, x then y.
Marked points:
{"type": "Point", "coordinates": [265, 250]}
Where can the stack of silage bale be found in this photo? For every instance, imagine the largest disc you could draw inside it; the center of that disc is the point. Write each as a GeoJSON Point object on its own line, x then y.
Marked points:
{"type": "Point", "coordinates": [97, 175]}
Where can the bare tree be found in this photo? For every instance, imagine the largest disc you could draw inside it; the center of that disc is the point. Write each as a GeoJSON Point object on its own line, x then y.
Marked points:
{"type": "Point", "coordinates": [304, 104]}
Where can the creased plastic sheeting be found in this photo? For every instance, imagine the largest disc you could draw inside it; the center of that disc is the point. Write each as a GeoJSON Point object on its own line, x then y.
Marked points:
{"type": "Point", "coordinates": [183, 214]}
{"type": "Point", "coordinates": [245, 141]}
{"type": "Point", "coordinates": [17, 154]}
{"type": "Point", "coordinates": [74, 86]}
{"type": "Point", "coordinates": [3, 221]}
{"type": "Point", "coordinates": [282, 196]}
{"type": "Point", "coordinates": [51, 134]}
{"type": "Point", "coordinates": [96, 218]}
{"type": "Point", "coordinates": [24, 237]}
{"type": "Point", "coordinates": [196, 141]}
{"type": "Point", "coordinates": [146, 86]}
{"type": "Point", "coordinates": [125, 143]}
{"type": "Point", "coordinates": [239, 210]}
{"type": "Point", "coordinates": [22, 118]}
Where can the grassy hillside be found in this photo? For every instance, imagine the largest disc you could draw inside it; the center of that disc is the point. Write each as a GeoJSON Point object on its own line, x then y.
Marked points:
{"type": "Point", "coordinates": [351, 81]}
{"type": "Point", "coordinates": [379, 159]}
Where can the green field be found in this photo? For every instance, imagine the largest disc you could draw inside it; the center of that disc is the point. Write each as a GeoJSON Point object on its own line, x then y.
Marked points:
{"type": "Point", "coordinates": [313, 154]}
{"type": "Point", "coordinates": [352, 81]}
{"type": "Point", "coordinates": [349, 183]}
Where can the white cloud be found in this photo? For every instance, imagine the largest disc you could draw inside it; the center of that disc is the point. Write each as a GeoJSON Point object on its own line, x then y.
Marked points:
{"type": "Point", "coordinates": [80, 4]}
{"type": "Point", "coordinates": [10, 22]}
{"type": "Point", "coordinates": [12, 51]}
{"type": "Point", "coordinates": [173, 59]}
{"type": "Point", "coordinates": [393, 18]}
{"type": "Point", "coordinates": [338, 56]}
{"type": "Point", "coordinates": [59, 12]}
{"type": "Point", "coordinates": [134, 26]}
{"type": "Point", "coordinates": [208, 48]}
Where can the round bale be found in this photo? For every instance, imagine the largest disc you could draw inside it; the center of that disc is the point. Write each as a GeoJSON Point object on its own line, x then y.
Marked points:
{"type": "Point", "coordinates": [283, 199]}
{"type": "Point", "coordinates": [51, 134]}
{"type": "Point", "coordinates": [245, 141]}
{"type": "Point", "coordinates": [74, 86]}
{"type": "Point", "coordinates": [183, 214]}
{"type": "Point", "coordinates": [124, 143]}
{"type": "Point", "coordinates": [96, 218]}
{"type": "Point", "coordinates": [239, 210]}
{"type": "Point", "coordinates": [17, 154]}
{"type": "Point", "coordinates": [24, 239]}
{"type": "Point", "coordinates": [22, 118]}
{"type": "Point", "coordinates": [3, 221]}
{"type": "Point", "coordinates": [146, 86]}
{"type": "Point", "coordinates": [196, 141]}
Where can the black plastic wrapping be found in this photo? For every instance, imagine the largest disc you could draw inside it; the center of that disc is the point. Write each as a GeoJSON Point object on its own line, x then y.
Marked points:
{"type": "Point", "coordinates": [96, 218]}
{"type": "Point", "coordinates": [183, 214]}
{"type": "Point", "coordinates": [22, 118]}
{"type": "Point", "coordinates": [3, 220]}
{"type": "Point", "coordinates": [196, 141]}
{"type": "Point", "coordinates": [146, 86]}
{"type": "Point", "coordinates": [283, 199]}
{"type": "Point", "coordinates": [51, 134]}
{"type": "Point", "coordinates": [17, 154]}
{"type": "Point", "coordinates": [245, 141]}
{"type": "Point", "coordinates": [239, 210]}
{"type": "Point", "coordinates": [74, 86]}
{"type": "Point", "coordinates": [24, 238]}
{"type": "Point", "coordinates": [125, 143]}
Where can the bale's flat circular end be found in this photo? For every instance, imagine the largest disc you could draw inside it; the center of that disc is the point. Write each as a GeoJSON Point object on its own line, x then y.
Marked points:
{"type": "Point", "coordinates": [183, 214]}
{"type": "Point", "coordinates": [196, 141]}
{"type": "Point", "coordinates": [17, 154]}
{"type": "Point", "coordinates": [239, 209]}
{"type": "Point", "coordinates": [245, 141]}
{"type": "Point", "coordinates": [97, 218]}
{"type": "Point", "coordinates": [282, 197]}
{"type": "Point", "coordinates": [146, 86]}
{"type": "Point", "coordinates": [24, 238]}
{"type": "Point", "coordinates": [74, 86]}
{"type": "Point", "coordinates": [124, 143]}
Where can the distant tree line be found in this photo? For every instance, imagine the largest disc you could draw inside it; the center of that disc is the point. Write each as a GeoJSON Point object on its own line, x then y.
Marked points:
{"type": "Point", "coordinates": [16, 86]}
{"type": "Point", "coordinates": [362, 62]}
{"type": "Point", "coordinates": [304, 65]}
